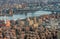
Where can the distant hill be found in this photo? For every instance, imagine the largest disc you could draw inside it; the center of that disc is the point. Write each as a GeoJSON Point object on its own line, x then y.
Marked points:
{"type": "Point", "coordinates": [11, 2]}
{"type": "Point", "coordinates": [19, 1]}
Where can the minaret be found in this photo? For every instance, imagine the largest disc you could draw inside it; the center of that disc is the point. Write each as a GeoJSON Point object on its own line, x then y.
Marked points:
{"type": "Point", "coordinates": [10, 12]}
{"type": "Point", "coordinates": [0, 10]}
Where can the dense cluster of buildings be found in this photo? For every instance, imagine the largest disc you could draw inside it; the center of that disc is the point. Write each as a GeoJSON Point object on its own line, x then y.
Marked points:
{"type": "Point", "coordinates": [18, 3]}
{"type": "Point", "coordinates": [43, 27]}
{"type": "Point", "coordinates": [29, 4]}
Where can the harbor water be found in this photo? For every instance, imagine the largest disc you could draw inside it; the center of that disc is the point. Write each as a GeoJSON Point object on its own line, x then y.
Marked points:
{"type": "Point", "coordinates": [23, 16]}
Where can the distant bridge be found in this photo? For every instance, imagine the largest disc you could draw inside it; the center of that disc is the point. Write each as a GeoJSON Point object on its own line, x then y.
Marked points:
{"type": "Point", "coordinates": [39, 9]}
{"type": "Point", "coordinates": [25, 11]}
{"type": "Point", "coordinates": [53, 2]}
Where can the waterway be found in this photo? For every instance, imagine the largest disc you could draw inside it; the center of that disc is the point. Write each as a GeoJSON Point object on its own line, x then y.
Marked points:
{"type": "Point", "coordinates": [23, 16]}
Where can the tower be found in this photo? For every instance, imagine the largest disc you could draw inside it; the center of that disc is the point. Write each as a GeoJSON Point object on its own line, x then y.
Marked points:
{"type": "Point", "coordinates": [10, 12]}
